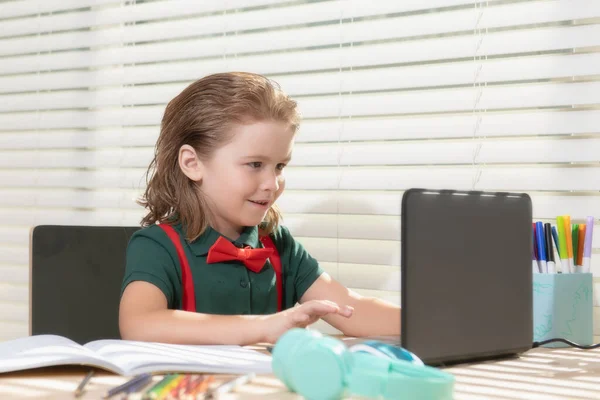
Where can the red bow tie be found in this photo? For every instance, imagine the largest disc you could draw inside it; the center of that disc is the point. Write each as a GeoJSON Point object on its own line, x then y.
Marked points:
{"type": "Point", "coordinates": [224, 250]}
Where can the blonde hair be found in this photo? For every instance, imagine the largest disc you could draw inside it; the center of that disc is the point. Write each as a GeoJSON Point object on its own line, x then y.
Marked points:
{"type": "Point", "coordinates": [201, 116]}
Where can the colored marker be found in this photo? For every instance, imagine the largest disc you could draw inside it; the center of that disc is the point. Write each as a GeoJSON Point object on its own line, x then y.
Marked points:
{"type": "Point", "coordinates": [536, 263]}
{"type": "Point", "coordinates": [154, 391]}
{"type": "Point", "coordinates": [556, 249]}
{"type": "Point", "coordinates": [198, 390]}
{"type": "Point", "coordinates": [168, 388]}
{"type": "Point", "coordinates": [587, 248]}
{"type": "Point", "coordinates": [555, 236]}
{"type": "Point", "coordinates": [567, 222]}
{"type": "Point", "coordinates": [548, 236]}
{"type": "Point", "coordinates": [539, 234]}
{"type": "Point", "coordinates": [580, 244]}
{"type": "Point", "coordinates": [575, 241]}
{"type": "Point", "coordinates": [562, 242]}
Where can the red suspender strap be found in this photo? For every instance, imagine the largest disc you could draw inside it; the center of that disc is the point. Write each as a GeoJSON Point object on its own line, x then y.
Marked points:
{"type": "Point", "coordinates": [188, 298]}
{"type": "Point", "coordinates": [276, 262]}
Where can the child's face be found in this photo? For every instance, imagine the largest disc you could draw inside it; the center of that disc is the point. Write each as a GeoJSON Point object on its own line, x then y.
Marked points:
{"type": "Point", "coordinates": [244, 177]}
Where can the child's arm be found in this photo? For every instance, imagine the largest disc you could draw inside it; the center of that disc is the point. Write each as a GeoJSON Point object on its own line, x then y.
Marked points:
{"type": "Point", "coordinates": [371, 316]}
{"type": "Point", "coordinates": [143, 315]}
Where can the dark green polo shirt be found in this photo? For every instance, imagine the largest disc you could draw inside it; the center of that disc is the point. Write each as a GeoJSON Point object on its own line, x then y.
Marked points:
{"type": "Point", "coordinates": [226, 288]}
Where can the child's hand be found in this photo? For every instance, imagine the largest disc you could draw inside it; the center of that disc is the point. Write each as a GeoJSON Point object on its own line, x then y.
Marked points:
{"type": "Point", "coordinates": [301, 316]}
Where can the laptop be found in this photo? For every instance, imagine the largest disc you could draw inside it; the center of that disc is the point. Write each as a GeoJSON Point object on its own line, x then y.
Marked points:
{"type": "Point", "coordinates": [76, 275]}
{"type": "Point", "coordinates": [466, 280]}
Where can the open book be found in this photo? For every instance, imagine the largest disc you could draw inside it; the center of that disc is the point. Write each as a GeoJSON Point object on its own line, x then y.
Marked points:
{"type": "Point", "coordinates": [126, 357]}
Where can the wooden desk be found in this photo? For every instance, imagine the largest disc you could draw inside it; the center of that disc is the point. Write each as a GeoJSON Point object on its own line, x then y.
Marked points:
{"type": "Point", "coordinates": [548, 374]}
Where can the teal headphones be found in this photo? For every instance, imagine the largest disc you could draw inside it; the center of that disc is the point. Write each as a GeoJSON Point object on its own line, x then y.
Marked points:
{"type": "Point", "coordinates": [322, 368]}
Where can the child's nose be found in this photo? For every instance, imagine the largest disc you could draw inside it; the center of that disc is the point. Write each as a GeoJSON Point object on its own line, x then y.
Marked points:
{"type": "Point", "coordinates": [271, 182]}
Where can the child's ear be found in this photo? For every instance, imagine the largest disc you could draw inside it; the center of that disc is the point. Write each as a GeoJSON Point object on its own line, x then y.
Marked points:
{"type": "Point", "coordinates": [189, 163]}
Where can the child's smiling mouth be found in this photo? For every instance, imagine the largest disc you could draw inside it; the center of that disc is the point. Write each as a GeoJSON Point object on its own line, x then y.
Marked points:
{"type": "Point", "coordinates": [262, 203]}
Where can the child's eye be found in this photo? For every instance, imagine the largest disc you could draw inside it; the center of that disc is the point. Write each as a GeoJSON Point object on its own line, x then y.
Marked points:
{"type": "Point", "coordinates": [255, 164]}
{"type": "Point", "coordinates": [280, 167]}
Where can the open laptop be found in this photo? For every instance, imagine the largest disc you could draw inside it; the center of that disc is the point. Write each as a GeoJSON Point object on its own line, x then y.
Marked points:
{"type": "Point", "coordinates": [466, 280]}
{"type": "Point", "coordinates": [75, 276]}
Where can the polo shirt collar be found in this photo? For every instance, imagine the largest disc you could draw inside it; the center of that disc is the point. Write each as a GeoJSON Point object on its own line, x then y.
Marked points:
{"type": "Point", "coordinates": [200, 246]}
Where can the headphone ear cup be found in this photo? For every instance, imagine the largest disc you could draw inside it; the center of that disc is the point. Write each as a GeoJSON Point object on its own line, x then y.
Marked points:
{"type": "Point", "coordinates": [284, 355]}
{"type": "Point", "coordinates": [320, 369]}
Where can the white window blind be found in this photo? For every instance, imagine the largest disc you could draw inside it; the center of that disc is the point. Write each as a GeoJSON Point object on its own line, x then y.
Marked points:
{"type": "Point", "coordinates": [491, 95]}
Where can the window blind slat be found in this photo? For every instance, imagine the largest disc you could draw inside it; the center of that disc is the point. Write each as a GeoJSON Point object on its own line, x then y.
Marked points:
{"type": "Point", "coordinates": [355, 129]}
{"type": "Point", "coordinates": [363, 276]}
{"type": "Point", "coordinates": [458, 100]}
{"type": "Point", "coordinates": [10, 330]}
{"type": "Point", "coordinates": [15, 274]}
{"type": "Point", "coordinates": [13, 255]}
{"type": "Point", "coordinates": [12, 9]}
{"type": "Point", "coordinates": [444, 152]}
{"type": "Point", "coordinates": [15, 312]}
{"type": "Point", "coordinates": [511, 70]}
{"type": "Point", "coordinates": [528, 178]}
{"type": "Point", "coordinates": [434, 75]}
{"type": "Point", "coordinates": [194, 26]}
{"type": "Point", "coordinates": [108, 178]}
{"type": "Point", "coordinates": [504, 151]}
{"type": "Point", "coordinates": [418, 102]}
{"type": "Point", "coordinates": [379, 252]}
{"type": "Point", "coordinates": [59, 139]}
{"type": "Point", "coordinates": [447, 74]}
{"type": "Point", "coordinates": [13, 293]}
{"type": "Point", "coordinates": [118, 15]}
{"type": "Point", "coordinates": [344, 226]}
{"type": "Point", "coordinates": [451, 126]}
{"type": "Point", "coordinates": [347, 178]}
{"type": "Point", "coordinates": [40, 216]}
{"type": "Point", "coordinates": [373, 203]}
{"type": "Point", "coordinates": [329, 227]}
{"type": "Point", "coordinates": [380, 29]}
{"type": "Point", "coordinates": [451, 47]}
{"type": "Point", "coordinates": [82, 119]}
{"type": "Point", "coordinates": [379, 203]}
{"type": "Point", "coordinates": [35, 197]}
{"type": "Point", "coordinates": [14, 235]}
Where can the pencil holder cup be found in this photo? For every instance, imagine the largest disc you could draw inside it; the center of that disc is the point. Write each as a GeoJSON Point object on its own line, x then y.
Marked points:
{"type": "Point", "coordinates": [562, 308]}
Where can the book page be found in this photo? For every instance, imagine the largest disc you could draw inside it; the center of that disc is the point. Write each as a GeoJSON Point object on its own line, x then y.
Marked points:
{"type": "Point", "coordinates": [47, 350]}
{"type": "Point", "coordinates": [140, 357]}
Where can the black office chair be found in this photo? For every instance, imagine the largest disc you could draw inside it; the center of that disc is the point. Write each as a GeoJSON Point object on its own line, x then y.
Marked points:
{"type": "Point", "coordinates": [75, 280]}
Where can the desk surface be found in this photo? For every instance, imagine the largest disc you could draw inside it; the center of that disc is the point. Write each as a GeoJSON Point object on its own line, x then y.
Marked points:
{"type": "Point", "coordinates": [547, 374]}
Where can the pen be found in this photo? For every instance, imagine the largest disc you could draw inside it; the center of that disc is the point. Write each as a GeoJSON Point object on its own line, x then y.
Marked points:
{"type": "Point", "coordinates": [562, 242]}
{"type": "Point", "coordinates": [569, 242]}
{"type": "Point", "coordinates": [121, 388]}
{"type": "Point", "coordinates": [548, 236]}
{"type": "Point", "coordinates": [587, 248]}
{"type": "Point", "coordinates": [79, 390]}
{"type": "Point", "coordinates": [229, 385]}
{"type": "Point", "coordinates": [539, 233]}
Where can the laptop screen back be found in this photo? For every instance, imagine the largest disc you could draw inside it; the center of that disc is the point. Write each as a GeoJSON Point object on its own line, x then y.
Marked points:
{"type": "Point", "coordinates": [466, 274]}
